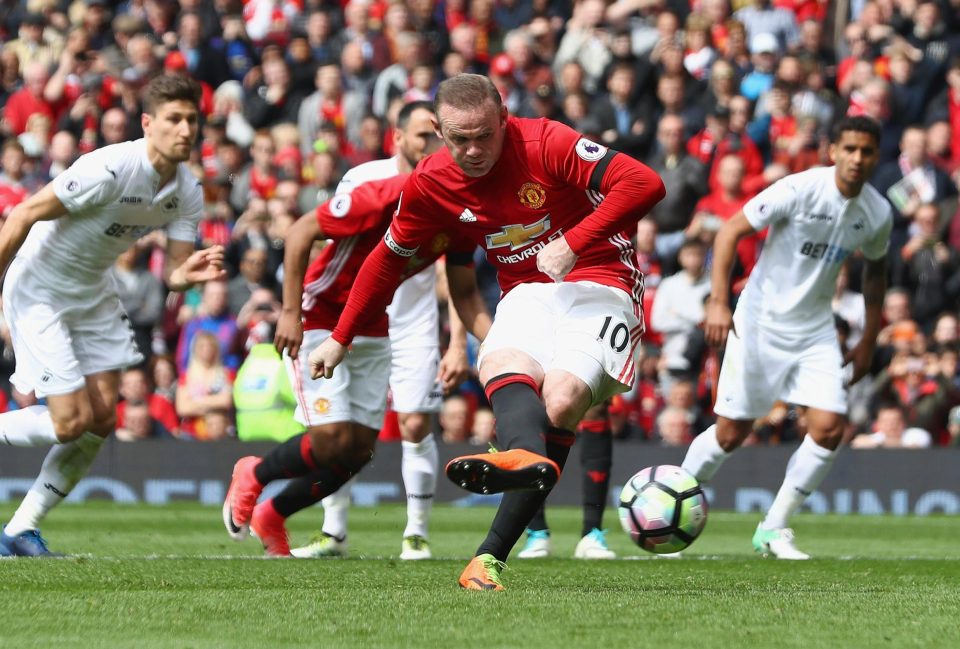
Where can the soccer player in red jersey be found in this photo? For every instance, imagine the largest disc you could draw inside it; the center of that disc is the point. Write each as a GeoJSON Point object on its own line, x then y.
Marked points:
{"type": "Point", "coordinates": [343, 416]}
{"type": "Point", "coordinates": [553, 211]}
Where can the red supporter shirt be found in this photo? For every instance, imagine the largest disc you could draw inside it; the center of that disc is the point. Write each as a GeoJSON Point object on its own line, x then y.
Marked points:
{"type": "Point", "coordinates": [549, 182]}
{"type": "Point", "coordinates": [356, 223]}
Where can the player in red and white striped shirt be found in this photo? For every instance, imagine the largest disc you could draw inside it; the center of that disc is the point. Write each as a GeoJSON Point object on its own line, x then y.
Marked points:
{"type": "Point", "coordinates": [553, 211]}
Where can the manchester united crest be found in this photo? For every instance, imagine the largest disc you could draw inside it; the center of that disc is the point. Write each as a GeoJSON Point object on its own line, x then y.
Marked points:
{"type": "Point", "coordinates": [532, 195]}
{"type": "Point", "coordinates": [321, 406]}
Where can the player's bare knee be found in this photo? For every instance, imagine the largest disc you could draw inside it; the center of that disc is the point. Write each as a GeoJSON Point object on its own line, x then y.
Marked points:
{"type": "Point", "coordinates": [414, 426]}
{"type": "Point", "coordinates": [331, 441]}
{"type": "Point", "coordinates": [566, 400]}
{"type": "Point", "coordinates": [103, 425]}
{"type": "Point", "coordinates": [731, 433]}
{"type": "Point", "coordinates": [71, 428]}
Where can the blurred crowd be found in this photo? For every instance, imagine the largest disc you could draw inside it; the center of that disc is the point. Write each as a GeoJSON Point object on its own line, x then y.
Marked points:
{"type": "Point", "coordinates": [720, 97]}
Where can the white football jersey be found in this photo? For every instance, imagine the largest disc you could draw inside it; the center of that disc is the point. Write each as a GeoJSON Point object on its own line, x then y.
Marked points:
{"type": "Point", "coordinates": [413, 311]}
{"type": "Point", "coordinates": [113, 197]}
{"type": "Point", "coordinates": [813, 229]}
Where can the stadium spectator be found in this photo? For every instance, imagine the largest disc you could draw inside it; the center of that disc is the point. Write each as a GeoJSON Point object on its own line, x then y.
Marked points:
{"type": "Point", "coordinates": [163, 375]}
{"type": "Point", "coordinates": [673, 427]}
{"type": "Point", "coordinates": [394, 80]}
{"type": "Point", "coordinates": [483, 432]}
{"type": "Point", "coordinates": [139, 424]}
{"type": "Point", "coordinates": [141, 295]}
{"type": "Point", "coordinates": [678, 311]}
{"type": "Point", "coordinates": [29, 100]}
{"type": "Point", "coordinates": [890, 431]}
{"type": "Point", "coordinates": [263, 398]}
{"type": "Point", "coordinates": [252, 275]}
{"type": "Point", "coordinates": [763, 17]}
{"type": "Point", "coordinates": [927, 267]}
{"type": "Point", "coordinates": [683, 174]}
{"type": "Point", "coordinates": [455, 419]}
{"type": "Point", "coordinates": [13, 191]}
{"type": "Point", "coordinates": [330, 104]}
{"type": "Point", "coordinates": [624, 125]}
{"type": "Point", "coordinates": [213, 317]}
{"type": "Point", "coordinates": [205, 391]}
{"type": "Point", "coordinates": [135, 388]}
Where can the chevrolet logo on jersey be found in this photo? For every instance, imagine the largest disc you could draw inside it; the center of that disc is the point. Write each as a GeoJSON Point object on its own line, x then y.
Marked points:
{"type": "Point", "coordinates": [517, 236]}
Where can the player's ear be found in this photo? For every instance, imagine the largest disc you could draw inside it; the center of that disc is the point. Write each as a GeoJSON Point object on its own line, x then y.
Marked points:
{"type": "Point", "coordinates": [145, 121]}
{"type": "Point", "coordinates": [503, 115]}
{"type": "Point", "coordinates": [833, 152]}
{"type": "Point", "coordinates": [436, 127]}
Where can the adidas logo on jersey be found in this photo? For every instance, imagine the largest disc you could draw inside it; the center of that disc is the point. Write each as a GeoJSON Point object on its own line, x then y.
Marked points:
{"type": "Point", "coordinates": [466, 216]}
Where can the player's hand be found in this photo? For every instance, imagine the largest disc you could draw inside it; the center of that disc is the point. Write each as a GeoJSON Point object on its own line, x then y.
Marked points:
{"type": "Point", "coordinates": [454, 368]}
{"type": "Point", "coordinates": [326, 357]}
{"type": "Point", "coordinates": [556, 259]}
{"type": "Point", "coordinates": [204, 266]}
{"type": "Point", "coordinates": [717, 323]}
{"type": "Point", "coordinates": [861, 356]}
{"type": "Point", "coordinates": [289, 334]}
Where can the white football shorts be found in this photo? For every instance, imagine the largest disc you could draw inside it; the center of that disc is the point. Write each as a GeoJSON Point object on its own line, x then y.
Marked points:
{"type": "Point", "coordinates": [60, 339]}
{"type": "Point", "coordinates": [413, 379]}
{"type": "Point", "coordinates": [761, 367]}
{"type": "Point", "coordinates": [590, 330]}
{"type": "Point", "coordinates": [358, 390]}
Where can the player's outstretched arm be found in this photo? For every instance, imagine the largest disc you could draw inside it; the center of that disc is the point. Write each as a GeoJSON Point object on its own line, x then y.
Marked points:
{"type": "Point", "coordinates": [467, 301]}
{"type": "Point", "coordinates": [455, 364]}
{"type": "Point", "coordinates": [187, 266]}
{"type": "Point", "coordinates": [296, 256]}
{"type": "Point", "coordinates": [874, 289]}
{"type": "Point", "coordinates": [42, 206]}
{"type": "Point", "coordinates": [718, 320]}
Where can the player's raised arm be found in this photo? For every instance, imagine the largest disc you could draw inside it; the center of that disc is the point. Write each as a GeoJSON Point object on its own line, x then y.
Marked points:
{"type": "Point", "coordinates": [628, 187]}
{"type": "Point", "coordinates": [42, 206]}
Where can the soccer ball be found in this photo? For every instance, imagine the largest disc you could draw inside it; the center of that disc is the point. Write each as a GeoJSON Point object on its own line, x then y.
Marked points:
{"type": "Point", "coordinates": [663, 509]}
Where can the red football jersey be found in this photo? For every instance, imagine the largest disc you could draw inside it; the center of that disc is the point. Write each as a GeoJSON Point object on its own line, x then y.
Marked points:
{"type": "Point", "coordinates": [549, 182]}
{"type": "Point", "coordinates": [355, 222]}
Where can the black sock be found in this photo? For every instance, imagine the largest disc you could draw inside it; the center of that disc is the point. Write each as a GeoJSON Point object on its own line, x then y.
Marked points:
{"type": "Point", "coordinates": [596, 457]}
{"type": "Point", "coordinates": [518, 507]}
{"type": "Point", "coordinates": [291, 459]}
{"type": "Point", "coordinates": [310, 489]}
{"type": "Point", "coordinates": [539, 520]}
{"type": "Point", "coordinates": [520, 414]}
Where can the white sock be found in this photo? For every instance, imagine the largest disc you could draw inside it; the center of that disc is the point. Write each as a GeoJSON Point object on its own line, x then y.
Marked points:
{"type": "Point", "coordinates": [704, 456]}
{"type": "Point", "coordinates": [62, 469]}
{"type": "Point", "coordinates": [419, 470]}
{"type": "Point", "coordinates": [807, 468]}
{"type": "Point", "coordinates": [336, 506]}
{"type": "Point", "coordinates": [30, 426]}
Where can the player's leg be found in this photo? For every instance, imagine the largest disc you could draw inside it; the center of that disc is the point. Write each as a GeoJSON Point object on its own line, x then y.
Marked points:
{"type": "Point", "coordinates": [356, 393]}
{"type": "Point", "coordinates": [416, 394]}
{"type": "Point", "coordinates": [818, 385]}
{"type": "Point", "coordinates": [92, 411]}
{"type": "Point", "coordinates": [511, 370]}
{"type": "Point", "coordinates": [596, 459]}
{"type": "Point", "coordinates": [752, 375]}
{"type": "Point", "coordinates": [538, 543]}
{"type": "Point", "coordinates": [418, 467]}
{"type": "Point", "coordinates": [356, 445]}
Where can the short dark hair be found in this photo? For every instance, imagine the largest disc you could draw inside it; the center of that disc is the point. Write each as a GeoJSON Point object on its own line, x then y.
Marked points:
{"type": "Point", "coordinates": [465, 91]}
{"type": "Point", "coordinates": [403, 117]}
{"type": "Point", "coordinates": [168, 87]}
{"type": "Point", "coordinates": [859, 124]}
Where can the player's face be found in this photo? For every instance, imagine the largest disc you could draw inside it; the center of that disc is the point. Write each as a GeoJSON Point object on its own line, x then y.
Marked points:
{"type": "Point", "coordinates": [418, 139]}
{"type": "Point", "coordinates": [474, 136]}
{"type": "Point", "coordinates": [855, 154]}
{"type": "Point", "coordinates": [172, 129]}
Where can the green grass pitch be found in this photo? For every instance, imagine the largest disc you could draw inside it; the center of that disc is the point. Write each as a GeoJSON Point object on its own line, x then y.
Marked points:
{"type": "Point", "coordinates": [149, 577]}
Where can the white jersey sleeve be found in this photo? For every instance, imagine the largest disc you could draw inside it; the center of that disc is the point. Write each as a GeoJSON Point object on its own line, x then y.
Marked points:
{"type": "Point", "coordinates": [775, 203]}
{"type": "Point", "coordinates": [876, 247]}
{"type": "Point", "coordinates": [184, 227]}
{"type": "Point", "coordinates": [88, 183]}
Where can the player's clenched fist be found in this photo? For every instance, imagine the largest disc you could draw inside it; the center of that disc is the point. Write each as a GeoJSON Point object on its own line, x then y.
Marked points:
{"type": "Point", "coordinates": [326, 357]}
{"type": "Point", "coordinates": [556, 259]}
